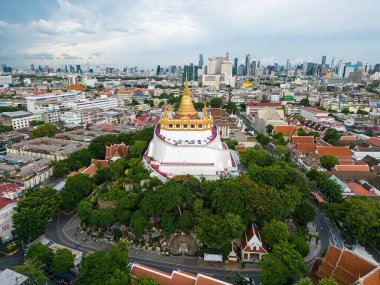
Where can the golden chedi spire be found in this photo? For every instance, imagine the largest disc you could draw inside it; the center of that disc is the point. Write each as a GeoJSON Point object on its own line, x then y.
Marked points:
{"type": "Point", "coordinates": [186, 107]}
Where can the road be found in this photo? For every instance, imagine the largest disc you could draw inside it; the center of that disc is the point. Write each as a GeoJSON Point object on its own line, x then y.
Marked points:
{"type": "Point", "coordinates": [56, 233]}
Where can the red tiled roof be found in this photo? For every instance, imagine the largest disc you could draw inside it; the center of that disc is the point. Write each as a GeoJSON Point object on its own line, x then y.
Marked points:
{"type": "Point", "coordinates": [259, 104]}
{"type": "Point", "coordinates": [342, 153]}
{"type": "Point", "coordinates": [249, 234]}
{"type": "Point", "coordinates": [4, 202]}
{"type": "Point", "coordinates": [306, 147]}
{"type": "Point", "coordinates": [348, 138]}
{"type": "Point", "coordinates": [359, 190]}
{"type": "Point", "coordinates": [373, 141]}
{"type": "Point", "coordinates": [302, 139]}
{"type": "Point", "coordinates": [314, 110]}
{"type": "Point", "coordinates": [344, 266]}
{"type": "Point", "coordinates": [76, 87]}
{"type": "Point", "coordinates": [372, 278]}
{"type": "Point", "coordinates": [287, 131]}
{"type": "Point", "coordinates": [176, 278]}
{"type": "Point", "coordinates": [357, 168]}
{"type": "Point", "coordinates": [116, 149]}
{"type": "Point", "coordinates": [240, 148]}
{"type": "Point", "coordinates": [102, 162]}
{"type": "Point", "coordinates": [9, 187]}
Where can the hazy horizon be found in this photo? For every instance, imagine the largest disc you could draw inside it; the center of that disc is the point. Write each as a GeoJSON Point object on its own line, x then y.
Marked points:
{"type": "Point", "coordinates": [151, 32]}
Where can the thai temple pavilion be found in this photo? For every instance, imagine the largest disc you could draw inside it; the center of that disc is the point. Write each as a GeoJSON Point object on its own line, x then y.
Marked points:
{"type": "Point", "coordinates": [187, 142]}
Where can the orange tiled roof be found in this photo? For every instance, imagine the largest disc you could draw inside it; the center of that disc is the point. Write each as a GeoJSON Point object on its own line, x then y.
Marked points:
{"type": "Point", "coordinates": [357, 168]}
{"type": "Point", "coordinates": [342, 153]}
{"type": "Point", "coordinates": [287, 131]}
{"type": "Point", "coordinates": [176, 278]}
{"type": "Point", "coordinates": [359, 190]}
{"type": "Point", "coordinates": [348, 138]}
{"type": "Point", "coordinates": [302, 139]}
{"type": "Point", "coordinates": [76, 87]}
{"type": "Point", "coordinates": [119, 150]}
{"type": "Point", "coordinates": [306, 147]}
{"type": "Point", "coordinates": [344, 266]}
{"type": "Point", "coordinates": [373, 141]}
{"type": "Point", "coordinates": [372, 278]}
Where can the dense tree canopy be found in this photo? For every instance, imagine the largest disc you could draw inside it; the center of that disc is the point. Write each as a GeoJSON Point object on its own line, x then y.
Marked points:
{"type": "Point", "coordinates": [279, 266]}
{"type": "Point", "coordinates": [329, 161]}
{"type": "Point", "coordinates": [360, 217]}
{"type": "Point", "coordinates": [63, 261]}
{"type": "Point", "coordinates": [76, 188]}
{"type": "Point", "coordinates": [34, 212]}
{"type": "Point", "coordinates": [332, 136]}
{"type": "Point", "coordinates": [99, 267]}
{"type": "Point", "coordinates": [45, 130]}
{"type": "Point", "coordinates": [32, 270]}
{"type": "Point", "coordinates": [40, 253]}
{"type": "Point", "coordinates": [216, 102]}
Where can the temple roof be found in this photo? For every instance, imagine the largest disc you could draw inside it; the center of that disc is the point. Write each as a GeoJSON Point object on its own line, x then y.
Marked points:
{"type": "Point", "coordinates": [186, 108]}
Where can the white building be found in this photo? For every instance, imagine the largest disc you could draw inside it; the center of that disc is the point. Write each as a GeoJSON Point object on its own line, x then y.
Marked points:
{"type": "Point", "coordinates": [32, 100]}
{"type": "Point", "coordinates": [315, 115]}
{"type": "Point", "coordinates": [101, 103]}
{"type": "Point", "coordinates": [6, 212]}
{"type": "Point", "coordinates": [24, 122]}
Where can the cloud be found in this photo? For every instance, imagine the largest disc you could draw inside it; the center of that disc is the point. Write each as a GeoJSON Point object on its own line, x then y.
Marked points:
{"type": "Point", "coordinates": [151, 32]}
{"type": "Point", "coordinates": [39, 56]}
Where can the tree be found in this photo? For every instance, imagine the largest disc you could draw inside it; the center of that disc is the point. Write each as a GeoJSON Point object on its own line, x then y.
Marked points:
{"type": "Point", "coordinates": [145, 281]}
{"type": "Point", "coordinates": [258, 156]}
{"type": "Point", "coordinates": [63, 261]}
{"type": "Point", "coordinates": [76, 188]}
{"type": "Point", "coordinates": [304, 281]}
{"type": "Point", "coordinates": [278, 139]}
{"type": "Point", "coordinates": [137, 149]}
{"type": "Point", "coordinates": [269, 129]}
{"type": "Point", "coordinates": [35, 274]}
{"type": "Point", "coordinates": [327, 281]}
{"type": "Point", "coordinates": [262, 139]}
{"type": "Point", "coordinates": [138, 222]}
{"type": "Point", "coordinates": [216, 103]}
{"type": "Point", "coordinates": [361, 112]}
{"type": "Point", "coordinates": [329, 161]}
{"type": "Point", "coordinates": [35, 123]}
{"type": "Point", "coordinates": [360, 217]}
{"type": "Point", "coordinates": [304, 213]}
{"type": "Point", "coordinates": [40, 253]}
{"type": "Point", "coordinates": [217, 231]}
{"type": "Point", "coordinates": [305, 102]}
{"type": "Point", "coordinates": [345, 111]}
{"type": "Point", "coordinates": [101, 267]}
{"type": "Point", "coordinates": [299, 243]}
{"type": "Point", "coordinates": [34, 212]}
{"type": "Point", "coordinates": [275, 232]}
{"type": "Point", "coordinates": [281, 265]}
{"type": "Point", "coordinates": [232, 144]}
{"type": "Point", "coordinates": [45, 130]}
{"type": "Point", "coordinates": [231, 108]}
{"type": "Point", "coordinates": [332, 136]}
{"type": "Point", "coordinates": [4, 129]}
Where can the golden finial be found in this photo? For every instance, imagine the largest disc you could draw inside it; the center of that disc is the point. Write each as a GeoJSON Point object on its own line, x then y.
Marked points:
{"type": "Point", "coordinates": [186, 108]}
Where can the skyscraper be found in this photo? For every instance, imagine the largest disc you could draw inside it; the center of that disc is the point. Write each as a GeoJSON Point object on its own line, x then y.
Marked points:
{"type": "Point", "coordinates": [200, 63]}
{"type": "Point", "coordinates": [79, 69]}
{"type": "Point", "coordinates": [192, 72]}
{"type": "Point", "coordinates": [158, 70]}
{"type": "Point", "coordinates": [32, 67]}
{"type": "Point", "coordinates": [235, 69]}
{"type": "Point", "coordinates": [253, 67]}
{"type": "Point", "coordinates": [323, 63]}
{"type": "Point", "coordinates": [341, 68]}
{"type": "Point", "coordinates": [287, 67]}
{"type": "Point", "coordinates": [247, 64]}
{"type": "Point", "coordinates": [227, 56]}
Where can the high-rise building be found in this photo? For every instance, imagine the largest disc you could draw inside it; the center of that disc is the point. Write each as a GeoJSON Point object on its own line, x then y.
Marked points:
{"type": "Point", "coordinates": [323, 62]}
{"type": "Point", "coordinates": [79, 69]}
{"type": "Point", "coordinates": [227, 56]}
{"type": "Point", "coordinates": [241, 70]}
{"type": "Point", "coordinates": [366, 68]}
{"type": "Point", "coordinates": [226, 68]}
{"type": "Point", "coordinates": [235, 69]}
{"type": "Point", "coordinates": [276, 67]}
{"type": "Point", "coordinates": [341, 68]}
{"type": "Point", "coordinates": [253, 67]}
{"type": "Point", "coordinates": [214, 65]}
{"type": "Point", "coordinates": [258, 64]}
{"type": "Point", "coordinates": [158, 70]}
{"type": "Point", "coordinates": [348, 69]}
{"type": "Point", "coordinates": [247, 64]}
{"type": "Point", "coordinates": [200, 63]}
{"type": "Point", "coordinates": [32, 67]}
{"type": "Point", "coordinates": [287, 66]}
{"type": "Point", "coordinates": [191, 71]}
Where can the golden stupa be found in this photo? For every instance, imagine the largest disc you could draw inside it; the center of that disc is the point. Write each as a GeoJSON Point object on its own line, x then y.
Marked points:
{"type": "Point", "coordinates": [186, 118]}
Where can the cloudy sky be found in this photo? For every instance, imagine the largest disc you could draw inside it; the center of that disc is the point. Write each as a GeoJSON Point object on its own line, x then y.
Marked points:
{"type": "Point", "coordinates": [150, 32]}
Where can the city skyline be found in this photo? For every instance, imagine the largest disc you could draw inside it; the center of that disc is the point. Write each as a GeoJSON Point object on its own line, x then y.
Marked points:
{"type": "Point", "coordinates": [147, 33]}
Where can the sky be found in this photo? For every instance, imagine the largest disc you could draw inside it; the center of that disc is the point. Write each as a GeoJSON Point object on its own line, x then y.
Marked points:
{"type": "Point", "coordinates": [146, 33]}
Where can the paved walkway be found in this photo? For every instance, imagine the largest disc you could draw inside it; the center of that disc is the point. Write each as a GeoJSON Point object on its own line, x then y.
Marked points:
{"type": "Point", "coordinates": [314, 245]}
{"type": "Point", "coordinates": [73, 232]}
{"type": "Point", "coordinates": [334, 233]}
